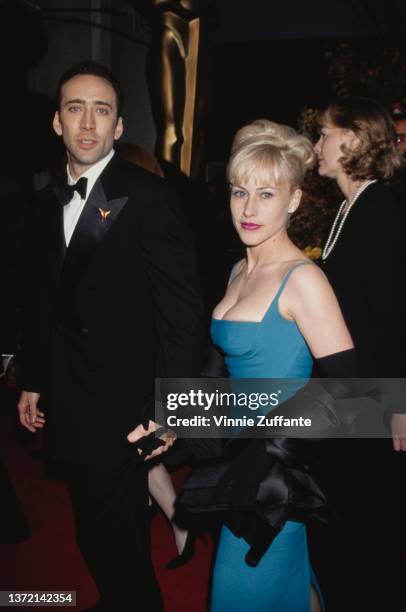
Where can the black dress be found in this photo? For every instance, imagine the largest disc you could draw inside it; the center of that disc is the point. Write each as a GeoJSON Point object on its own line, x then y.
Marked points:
{"type": "Point", "coordinates": [361, 479]}
{"type": "Point", "coordinates": [367, 269]}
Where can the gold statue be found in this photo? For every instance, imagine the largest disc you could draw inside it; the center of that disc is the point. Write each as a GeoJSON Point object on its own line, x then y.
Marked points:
{"type": "Point", "coordinates": [178, 79]}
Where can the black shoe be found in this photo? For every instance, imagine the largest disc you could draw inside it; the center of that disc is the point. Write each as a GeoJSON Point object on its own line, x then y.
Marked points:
{"type": "Point", "coordinates": [187, 553]}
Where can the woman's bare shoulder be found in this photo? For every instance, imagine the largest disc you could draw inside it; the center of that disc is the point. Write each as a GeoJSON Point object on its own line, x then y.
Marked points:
{"type": "Point", "coordinates": [308, 280]}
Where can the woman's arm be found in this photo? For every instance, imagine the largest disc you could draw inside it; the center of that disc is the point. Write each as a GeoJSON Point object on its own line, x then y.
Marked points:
{"type": "Point", "coordinates": [310, 301]}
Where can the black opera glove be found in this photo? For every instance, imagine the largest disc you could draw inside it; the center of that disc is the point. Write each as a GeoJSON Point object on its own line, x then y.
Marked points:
{"type": "Point", "coordinates": [327, 409]}
{"type": "Point", "coordinates": [257, 551]}
{"type": "Point", "coordinates": [245, 474]}
{"type": "Point", "coordinates": [329, 414]}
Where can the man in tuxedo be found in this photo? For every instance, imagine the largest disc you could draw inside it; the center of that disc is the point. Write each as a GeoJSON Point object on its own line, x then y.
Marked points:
{"type": "Point", "coordinates": [114, 302]}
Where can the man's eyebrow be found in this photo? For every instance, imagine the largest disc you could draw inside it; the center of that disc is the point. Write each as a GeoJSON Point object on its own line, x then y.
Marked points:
{"type": "Point", "coordinates": [81, 101]}
{"type": "Point", "coordinates": [103, 103]}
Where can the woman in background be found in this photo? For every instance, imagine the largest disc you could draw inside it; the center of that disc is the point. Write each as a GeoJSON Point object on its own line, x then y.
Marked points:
{"type": "Point", "coordinates": [365, 261]}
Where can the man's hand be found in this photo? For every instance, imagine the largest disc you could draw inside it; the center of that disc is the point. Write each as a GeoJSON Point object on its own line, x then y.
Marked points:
{"type": "Point", "coordinates": [30, 416]}
{"type": "Point", "coordinates": [398, 427]}
{"type": "Point", "coordinates": [139, 432]}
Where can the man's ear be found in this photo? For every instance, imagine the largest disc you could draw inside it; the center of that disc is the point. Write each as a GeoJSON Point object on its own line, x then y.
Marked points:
{"type": "Point", "coordinates": [119, 128]}
{"type": "Point", "coordinates": [56, 124]}
{"type": "Point", "coordinates": [294, 200]}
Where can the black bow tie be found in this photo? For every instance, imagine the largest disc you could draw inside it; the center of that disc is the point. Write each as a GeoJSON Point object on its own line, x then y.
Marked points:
{"type": "Point", "coordinates": [67, 191]}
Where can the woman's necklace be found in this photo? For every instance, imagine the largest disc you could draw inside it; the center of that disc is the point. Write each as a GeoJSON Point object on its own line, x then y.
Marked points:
{"type": "Point", "coordinates": [341, 217]}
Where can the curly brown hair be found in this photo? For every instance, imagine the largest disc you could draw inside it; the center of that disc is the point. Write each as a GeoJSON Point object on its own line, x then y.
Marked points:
{"type": "Point", "coordinates": [376, 156]}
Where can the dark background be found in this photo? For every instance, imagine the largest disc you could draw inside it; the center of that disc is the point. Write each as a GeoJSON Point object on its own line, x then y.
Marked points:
{"type": "Point", "coordinates": [266, 58]}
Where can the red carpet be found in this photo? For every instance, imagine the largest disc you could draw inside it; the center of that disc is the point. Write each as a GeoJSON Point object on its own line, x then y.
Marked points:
{"type": "Point", "coordinates": [50, 560]}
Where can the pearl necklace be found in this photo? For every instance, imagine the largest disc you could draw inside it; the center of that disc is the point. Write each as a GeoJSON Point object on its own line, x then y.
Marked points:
{"type": "Point", "coordinates": [330, 242]}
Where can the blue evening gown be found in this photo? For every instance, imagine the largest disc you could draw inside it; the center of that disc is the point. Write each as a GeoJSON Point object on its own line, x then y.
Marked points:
{"type": "Point", "coordinates": [271, 348]}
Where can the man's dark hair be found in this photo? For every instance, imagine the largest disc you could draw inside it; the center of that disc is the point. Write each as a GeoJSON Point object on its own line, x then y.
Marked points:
{"type": "Point", "coordinates": [94, 69]}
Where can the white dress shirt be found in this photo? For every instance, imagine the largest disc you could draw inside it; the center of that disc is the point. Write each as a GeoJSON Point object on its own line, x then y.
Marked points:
{"type": "Point", "coordinates": [73, 210]}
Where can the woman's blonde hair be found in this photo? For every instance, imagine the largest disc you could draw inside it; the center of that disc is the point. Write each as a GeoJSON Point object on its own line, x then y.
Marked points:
{"type": "Point", "coordinates": [376, 156]}
{"type": "Point", "coordinates": [272, 151]}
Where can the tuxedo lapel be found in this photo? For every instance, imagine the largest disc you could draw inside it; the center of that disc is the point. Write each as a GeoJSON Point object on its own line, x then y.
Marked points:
{"type": "Point", "coordinates": [97, 218]}
{"type": "Point", "coordinates": [57, 235]}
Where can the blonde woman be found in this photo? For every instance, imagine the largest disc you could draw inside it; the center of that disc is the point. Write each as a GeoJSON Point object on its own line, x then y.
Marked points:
{"type": "Point", "coordinates": [277, 316]}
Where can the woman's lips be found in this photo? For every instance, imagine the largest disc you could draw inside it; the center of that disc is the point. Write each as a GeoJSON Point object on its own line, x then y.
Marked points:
{"type": "Point", "coordinates": [250, 226]}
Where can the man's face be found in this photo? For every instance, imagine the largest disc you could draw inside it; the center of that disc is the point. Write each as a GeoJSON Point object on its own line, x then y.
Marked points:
{"type": "Point", "coordinates": [87, 121]}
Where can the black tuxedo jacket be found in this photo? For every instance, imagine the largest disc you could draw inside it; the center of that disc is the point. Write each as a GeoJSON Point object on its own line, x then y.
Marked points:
{"type": "Point", "coordinates": [367, 270]}
{"type": "Point", "coordinates": [116, 308]}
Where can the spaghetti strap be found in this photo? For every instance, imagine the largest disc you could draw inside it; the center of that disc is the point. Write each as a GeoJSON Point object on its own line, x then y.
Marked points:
{"type": "Point", "coordinates": [274, 304]}
{"type": "Point", "coordinates": [287, 276]}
